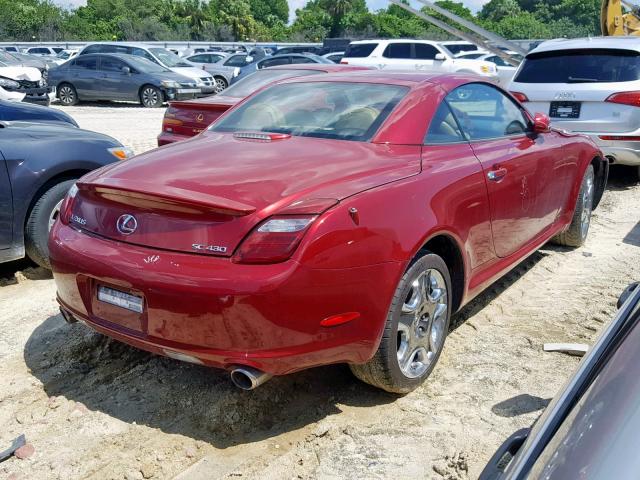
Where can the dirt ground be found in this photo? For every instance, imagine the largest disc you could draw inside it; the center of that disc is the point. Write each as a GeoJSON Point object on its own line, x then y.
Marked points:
{"type": "Point", "coordinates": [96, 409]}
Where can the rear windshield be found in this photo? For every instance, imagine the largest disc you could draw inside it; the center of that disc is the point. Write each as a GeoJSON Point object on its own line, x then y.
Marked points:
{"type": "Point", "coordinates": [256, 81]}
{"type": "Point", "coordinates": [360, 50]}
{"type": "Point", "coordinates": [581, 66]}
{"type": "Point", "coordinates": [336, 110]}
{"type": "Point", "coordinates": [457, 48]}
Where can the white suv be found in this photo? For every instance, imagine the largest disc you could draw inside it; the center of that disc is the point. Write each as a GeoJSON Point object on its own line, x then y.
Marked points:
{"type": "Point", "coordinates": [420, 55]}
{"type": "Point", "coordinates": [587, 85]}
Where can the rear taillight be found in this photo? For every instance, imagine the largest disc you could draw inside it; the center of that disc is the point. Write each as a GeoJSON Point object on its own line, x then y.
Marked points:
{"type": "Point", "coordinates": [344, 62]}
{"type": "Point", "coordinates": [67, 205]}
{"type": "Point", "coordinates": [625, 98]}
{"type": "Point", "coordinates": [521, 97]}
{"type": "Point", "coordinates": [274, 240]}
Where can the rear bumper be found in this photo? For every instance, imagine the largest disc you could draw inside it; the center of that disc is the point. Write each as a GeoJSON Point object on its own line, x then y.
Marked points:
{"type": "Point", "coordinates": [619, 151]}
{"type": "Point", "coordinates": [221, 313]}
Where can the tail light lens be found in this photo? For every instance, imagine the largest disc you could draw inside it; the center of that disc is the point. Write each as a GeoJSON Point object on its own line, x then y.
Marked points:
{"type": "Point", "coordinates": [521, 97]}
{"type": "Point", "coordinates": [67, 205]}
{"type": "Point", "coordinates": [344, 62]}
{"type": "Point", "coordinates": [625, 98]}
{"type": "Point", "coordinates": [274, 240]}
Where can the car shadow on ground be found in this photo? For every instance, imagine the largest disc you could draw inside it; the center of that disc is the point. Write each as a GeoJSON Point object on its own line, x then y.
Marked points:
{"type": "Point", "coordinates": [622, 177]}
{"type": "Point", "coordinates": [133, 386]}
{"type": "Point", "coordinates": [520, 405]}
{"type": "Point", "coordinates": [10, 272]}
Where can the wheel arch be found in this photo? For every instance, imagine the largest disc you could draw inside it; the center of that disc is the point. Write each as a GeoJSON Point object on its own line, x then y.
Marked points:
{"type": "Point", "coordinates": [162, 91]}
{"type": "Point", "coordinates": [446, 246]}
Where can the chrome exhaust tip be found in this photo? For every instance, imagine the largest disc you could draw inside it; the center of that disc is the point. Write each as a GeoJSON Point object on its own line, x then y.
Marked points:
{"type": "Point", "coordinates": [248, 378]}
{"type": "Point", "coordinates": [68, 317]}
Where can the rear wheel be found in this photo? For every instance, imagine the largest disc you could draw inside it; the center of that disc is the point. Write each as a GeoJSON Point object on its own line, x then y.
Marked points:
{"type": "Point", "coordinates": [67, 94]}
{"type": "Point", "coordinates": [416, 327]}
{"type": "Point", "coordinates": [41, 218]}
{"type": "Point", "coordinates": [221, 84]}
{"type": "Point", "coordinates": [576, 234]}
{"type": "Point", "coordinates": [151, 96]}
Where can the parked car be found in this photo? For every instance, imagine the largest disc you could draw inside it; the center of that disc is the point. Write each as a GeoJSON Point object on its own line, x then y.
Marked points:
{"type": "Point", "coordinates": [113, 76]}
{"type": "Point", "coordinates": [211, 63]}
{"type": "Point", "coordinates": [588, 85]}
{"type": "Point", "coordinates": [40, 162]}
{"type": "Point", "coordinates": [19, 83]}
{"type": "Point", "coordinates": [421, 55]}
{"type": "Point", "coordinates": [455, 47]}
{"type": "Point", "coordinates": [183, 120]}
{"type": "Point", "coordinates": [238, 60]}
{"type": "Point", "coordinates": [41, 51]}
{"type": "Point", "coordinates": [335, 57]}
{"type": "Point", "coordinates": [335, 218]}
{"type": "Point", "coordinates": [41, 63]}
{"type": "Point", "coordinates": [10, 48]}
{"type": "Point", "coordinates": [25, 112]}
{"type": "Point", "coordinates": [163, 57]}
{"type": "Point", "coordinates": [66, 55]}
{"type": "Point", "coordinates": [591, 428]}
{"type": "Point", "coordinates": [276, 60]}
{"type": "Point", "coordinates": [505, 70]}
{"type": "Point", "coordinates": [298, 49]}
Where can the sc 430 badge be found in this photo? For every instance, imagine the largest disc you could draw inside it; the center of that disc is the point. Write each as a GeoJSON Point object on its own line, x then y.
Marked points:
{"type": "Point", "coordinates": [209, 248]}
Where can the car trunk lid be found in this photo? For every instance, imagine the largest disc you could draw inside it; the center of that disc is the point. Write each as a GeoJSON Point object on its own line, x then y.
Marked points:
{"type": "Point", "coordinates": [205, 195]}
{"type": "Point", "coordinates": [189, 118]}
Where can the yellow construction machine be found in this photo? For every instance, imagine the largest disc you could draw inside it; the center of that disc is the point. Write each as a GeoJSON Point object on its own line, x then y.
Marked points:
{"type": "Point", "coordinates": [619, 17]}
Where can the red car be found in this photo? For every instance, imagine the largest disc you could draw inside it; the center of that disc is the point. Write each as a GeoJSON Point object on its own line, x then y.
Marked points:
{"type": "Point", "coordinates": [327, 219]}
{"type": "Point", "coordinates": [186, 119]}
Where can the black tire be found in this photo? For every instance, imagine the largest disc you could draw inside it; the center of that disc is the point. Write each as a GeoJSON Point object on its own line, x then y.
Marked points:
{"type": "Point", "coordinates": [37, 227]}
{"type": "Point", "coordinates": [384, 370]}
{"type": "Point", "coordinates": [576, 234]}
{"type": "Point", "coordinates": [67, 94]}
{"type": "Point", "coordinates": [221, 84]}
{"type": "Point", "coordinates": [151, 96]}
{"type": "Point", "coordinates": [638, 173]}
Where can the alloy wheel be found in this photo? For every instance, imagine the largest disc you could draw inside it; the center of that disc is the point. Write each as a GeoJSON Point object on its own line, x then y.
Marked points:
{"type": "Point", "coordinates": [422, 323]}
{"type": "Point", "coordinates": [150, 97]}
{"type": "Point", "coordinates": [67, 95]}
{"type": "Point", "coordinates": [220, 85]}
{"type": "Point", "coordinates": [54, 214]}
{"type": "Point", "coordinates": [587, 205]}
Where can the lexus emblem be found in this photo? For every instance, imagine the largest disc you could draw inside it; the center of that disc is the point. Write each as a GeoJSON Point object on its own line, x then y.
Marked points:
{"type": "Point", "coordinates": [200, 117]}
{"type": "Point", "coordinates": [126, 224]}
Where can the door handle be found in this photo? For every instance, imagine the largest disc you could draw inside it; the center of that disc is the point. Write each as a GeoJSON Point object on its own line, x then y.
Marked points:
{"type": "Point", "coordinates": [497, 174]}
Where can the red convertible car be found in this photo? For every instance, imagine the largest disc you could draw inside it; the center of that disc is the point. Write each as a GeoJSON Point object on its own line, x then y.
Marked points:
{"type": "Point", "coordinates": [327, 219]}
{"type": "Point", "coordinates": [186, 119]}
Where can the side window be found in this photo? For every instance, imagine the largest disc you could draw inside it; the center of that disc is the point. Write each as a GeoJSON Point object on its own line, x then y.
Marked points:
{"type": "Point", "coordinates": [498, 61]}
{"type": "Point", "coordinates": [198, 58]}
{"type": "Point", "coordinates": [91, 49]}
{"type": "Point", "coordinates": [141, 52]}
{"type": "Point", "coordinates": [398, 50]}
{"type": "Point", "coordinates": [425, 51]}
{"type": "Point", "coordinates": [111, 65]}
{"type": "Point", "coordinates": [443, 128]}
{"type": "Point", "coordinates": [215, 58]}
{"type": "Point", "coordinates": [302, 60]}
{"type": "Point", "coordinates": [273, 62]}
{"type": "Point", "coordinates": [484, 112]}
{"type": "Point", "coordinates": [236, 61]}
{"type": "Point", "coordinates": [90, 63]}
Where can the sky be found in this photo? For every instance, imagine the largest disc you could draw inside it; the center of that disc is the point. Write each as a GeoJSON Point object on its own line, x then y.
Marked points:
{"type": "Point", "coordinates": [473, 5]}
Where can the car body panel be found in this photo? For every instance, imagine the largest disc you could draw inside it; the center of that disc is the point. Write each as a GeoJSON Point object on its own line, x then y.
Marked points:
{"type": "Point", "coordinates": [6, 208]}
{"type": "Point", "coordinates": [384, 200]}
{"type": "Point", "coordinates": [16, 111]}
{"type": "Point", "coordinates": [34, 154]}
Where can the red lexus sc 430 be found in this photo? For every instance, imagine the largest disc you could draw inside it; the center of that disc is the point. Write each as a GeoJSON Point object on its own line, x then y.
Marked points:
{"type": "Point", "coordinates": [186, 119]}
{"type": "Point", "coordinates": [327, 219]}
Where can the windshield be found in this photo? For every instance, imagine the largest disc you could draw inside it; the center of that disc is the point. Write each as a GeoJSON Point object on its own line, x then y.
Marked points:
{"type": "Point", "coordinates": [336, 110]}
{"type": "Point", "coordinates": [256, 81]}
{"type": "Point", "coordinates": [64, 54]}
{"type": "Point", "coordinates": [146, 66]}
{"type": "Point", "coordinates": [581, 66]}
{"type": "Point", "coordinates": [168, 58]}
{"type": "Point", "coordinates": [5, 57]}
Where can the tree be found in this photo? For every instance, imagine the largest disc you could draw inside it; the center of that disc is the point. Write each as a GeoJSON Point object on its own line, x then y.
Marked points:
{"type": "Point", "coordinates": [496, 10]}
{"type": "Point", "coordinates": [262, 10]}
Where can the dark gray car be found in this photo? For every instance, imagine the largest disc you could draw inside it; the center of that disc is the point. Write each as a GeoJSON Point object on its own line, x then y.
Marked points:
{"type": "Point", "coordinates": [591, 430]}
{"type": "Point", "coordinates": [39, 162]}
{"type": "Point", "coordinates": [112, 76]}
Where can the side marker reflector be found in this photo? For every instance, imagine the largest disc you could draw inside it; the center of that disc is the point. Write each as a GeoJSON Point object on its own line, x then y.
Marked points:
{"type": "Point", "coordinates": [341, 319]}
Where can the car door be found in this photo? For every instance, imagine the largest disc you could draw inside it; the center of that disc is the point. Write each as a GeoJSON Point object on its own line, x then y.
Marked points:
{"type": "Point", "coordinates": [425, 56]}
{"type": "Point", "coordinates": [84, 77]}
{"type": "Point", "coordinates": [6, 207]}
{"type": "Point", "coordinates": [398, 56]}
{"type": "Point", "coordinates": [114, 82]}
{"type": "Point", "coordinates": [274, 62]}
{"type": "Point", "coordinates": [524, 172]}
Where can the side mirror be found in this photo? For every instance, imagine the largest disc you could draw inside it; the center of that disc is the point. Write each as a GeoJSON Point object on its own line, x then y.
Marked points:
{"type": "Point", "coordinates": [126, 70]}
{"type": "Point", "coordinates": [440, 57]}
{"type": "Point", "coordinates": [541, 123]}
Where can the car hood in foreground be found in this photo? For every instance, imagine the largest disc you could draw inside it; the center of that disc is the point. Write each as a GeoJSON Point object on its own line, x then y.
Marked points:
{"type": "Point", "coordinates": [58, 131]}
{"type": "Point", "coordinates": [218, 187]}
